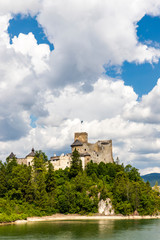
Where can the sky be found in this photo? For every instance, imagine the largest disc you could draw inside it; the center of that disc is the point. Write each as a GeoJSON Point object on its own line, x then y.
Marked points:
{"type": "Point", "coordinates": [66, 61]}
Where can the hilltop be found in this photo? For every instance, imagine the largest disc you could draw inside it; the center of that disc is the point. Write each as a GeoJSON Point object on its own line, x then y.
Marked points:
{"type": "Point", "coordinates": [39, 190]}
{"type": "Point", "coordinates": [152, 178]}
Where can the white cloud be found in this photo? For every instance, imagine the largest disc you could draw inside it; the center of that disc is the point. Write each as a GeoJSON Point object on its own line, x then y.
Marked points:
{"type": "Point", "coordinates": [4, 23]}
{"type": "Point", "coordinates": [87, 35]}
{"type": "Point", "coordinates": [18, 6]}
{"type": "Point", "coordinates": [135, 143]}
{"type": "Point", "coordinates": [38, 54]}
{"type": "Point", "coordinates": [150, 170]}
{"type": "Point", "coordinates": [20, 69]}
{"type": "Point", "coordinates": [66, 86]}
{"type": "Point", "coordinates": [107, 100]}
{"type": "Point", "coordinates": [147, 110]}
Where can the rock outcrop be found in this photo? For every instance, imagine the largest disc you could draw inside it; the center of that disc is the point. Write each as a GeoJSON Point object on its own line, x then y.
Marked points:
{"type": "Point", "coordinates": [105, 207]}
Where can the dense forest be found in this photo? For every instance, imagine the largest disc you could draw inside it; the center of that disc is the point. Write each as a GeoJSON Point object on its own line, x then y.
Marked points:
{"type": "Point", "coordinates": [38, 190]}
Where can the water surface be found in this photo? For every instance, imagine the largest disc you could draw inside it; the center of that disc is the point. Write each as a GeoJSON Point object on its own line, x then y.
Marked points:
{"type": "Point", "coordinates": [84, 230]}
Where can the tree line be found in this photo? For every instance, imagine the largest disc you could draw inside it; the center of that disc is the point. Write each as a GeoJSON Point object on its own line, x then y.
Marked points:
{"type": "Point", "coordinates": [38, 190]}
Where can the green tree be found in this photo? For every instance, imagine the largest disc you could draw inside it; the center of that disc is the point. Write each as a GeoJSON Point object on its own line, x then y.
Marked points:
{"type": "Point", "coordinates": [121, 193]}
{"type": "Point", "coordinates": [18, 181]}
{"type": "Point", "coordinates": [3, 182]}
{"type": "Point", "coordinates": [133, 173]}
{"type": "Point", "coordinates": [10, 164]}
{"type": "Point", "coordinates": [42, 154]}
{"type": "Point", "coordinates": [92, 168]}
{"type": "Point", "coordinates": [156, 188]}
{"type": "Point", "coordinates": [39, 173]}
{"type": "Point", "coordinates": [102, 169]}
{"type": "Point", "coordinates": [76, 164]}
{"type": "Point", "coordinates": [50, 179]}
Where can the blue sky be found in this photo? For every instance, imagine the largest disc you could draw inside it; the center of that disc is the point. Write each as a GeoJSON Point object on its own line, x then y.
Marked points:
{"type": "Point", "coordinates": [142, 77]}
{"type": "Point", "coordinates": [25, 24]}
{"type": "Point", "coordinates": [63, 61]}
{"type": "Point", "coordinates": [148, 29]}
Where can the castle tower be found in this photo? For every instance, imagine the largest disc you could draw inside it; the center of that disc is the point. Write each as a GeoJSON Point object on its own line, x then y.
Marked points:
{"type": "Point", "coordinates": [81, 136]}
{"type": "Point", "coordinates": [101, 151]}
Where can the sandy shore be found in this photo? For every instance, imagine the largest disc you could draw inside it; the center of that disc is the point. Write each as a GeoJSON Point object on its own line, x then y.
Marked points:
{"type": "Point", "coordinates": [58, 217]}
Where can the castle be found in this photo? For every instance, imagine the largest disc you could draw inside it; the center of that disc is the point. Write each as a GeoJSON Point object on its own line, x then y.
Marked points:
{"type": "Point", "coordinates": [101, 151]}
{"type": "Point", "coordinates": [27, 160]}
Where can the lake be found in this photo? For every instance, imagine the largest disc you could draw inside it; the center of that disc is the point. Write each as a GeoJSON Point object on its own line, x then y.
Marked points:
{"type": "Point", "coordinates": [84, 230]}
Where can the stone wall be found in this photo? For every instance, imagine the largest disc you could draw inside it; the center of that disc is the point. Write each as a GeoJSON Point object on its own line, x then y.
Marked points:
{"type": "Point", "coordinates": [61, 162]}
{"type": "Point", "coordinates": [101, 151]}
{"type": "Point", "coordinates": [82, 137]}
{"type": "Point", "coordinates": [27, 160]}
{"type": "Point", "coordinates": [22, 161]}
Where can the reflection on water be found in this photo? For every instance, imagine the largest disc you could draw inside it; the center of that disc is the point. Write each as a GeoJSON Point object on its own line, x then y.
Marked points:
{"type": "Point", "coordinates": [82, 230]}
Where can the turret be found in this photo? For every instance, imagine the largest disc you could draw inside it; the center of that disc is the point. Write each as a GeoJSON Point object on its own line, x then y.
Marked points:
{"type": "Point", "coordinates": [81, 136]}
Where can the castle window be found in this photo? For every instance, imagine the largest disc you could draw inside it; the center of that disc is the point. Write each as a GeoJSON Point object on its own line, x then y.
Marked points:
{"type": "Point", "coordinates": [29, 163]}
{"type": "Point", "coordinates": [84, 149]}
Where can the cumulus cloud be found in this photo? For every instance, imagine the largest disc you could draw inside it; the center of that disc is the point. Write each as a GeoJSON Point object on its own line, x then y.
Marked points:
{"type": "Point", "coordinates": [147, 110]}
{"type": "Point", "coordinates": [21, 65]}
{"type": "Point", "coordinates": [63, 87]}
{"type": "Point", "coordinates": [107, 100]}
{"type": "Point", "coordinates": [38, 54]}
{"type": "Point", "coordinates": [18, 6]}
{"type": "Point", "coordinates": [89, 35]}
{"type": "Point", "coordinates": [150, 170]}
{"type": "Point", "coordinates": [135, 143]}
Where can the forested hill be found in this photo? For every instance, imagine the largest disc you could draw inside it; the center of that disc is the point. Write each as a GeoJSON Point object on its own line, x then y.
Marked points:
{"type": "Point", "coordinates": [152, 178]}
{"type": "Point", "coordinates": [39, 190]}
